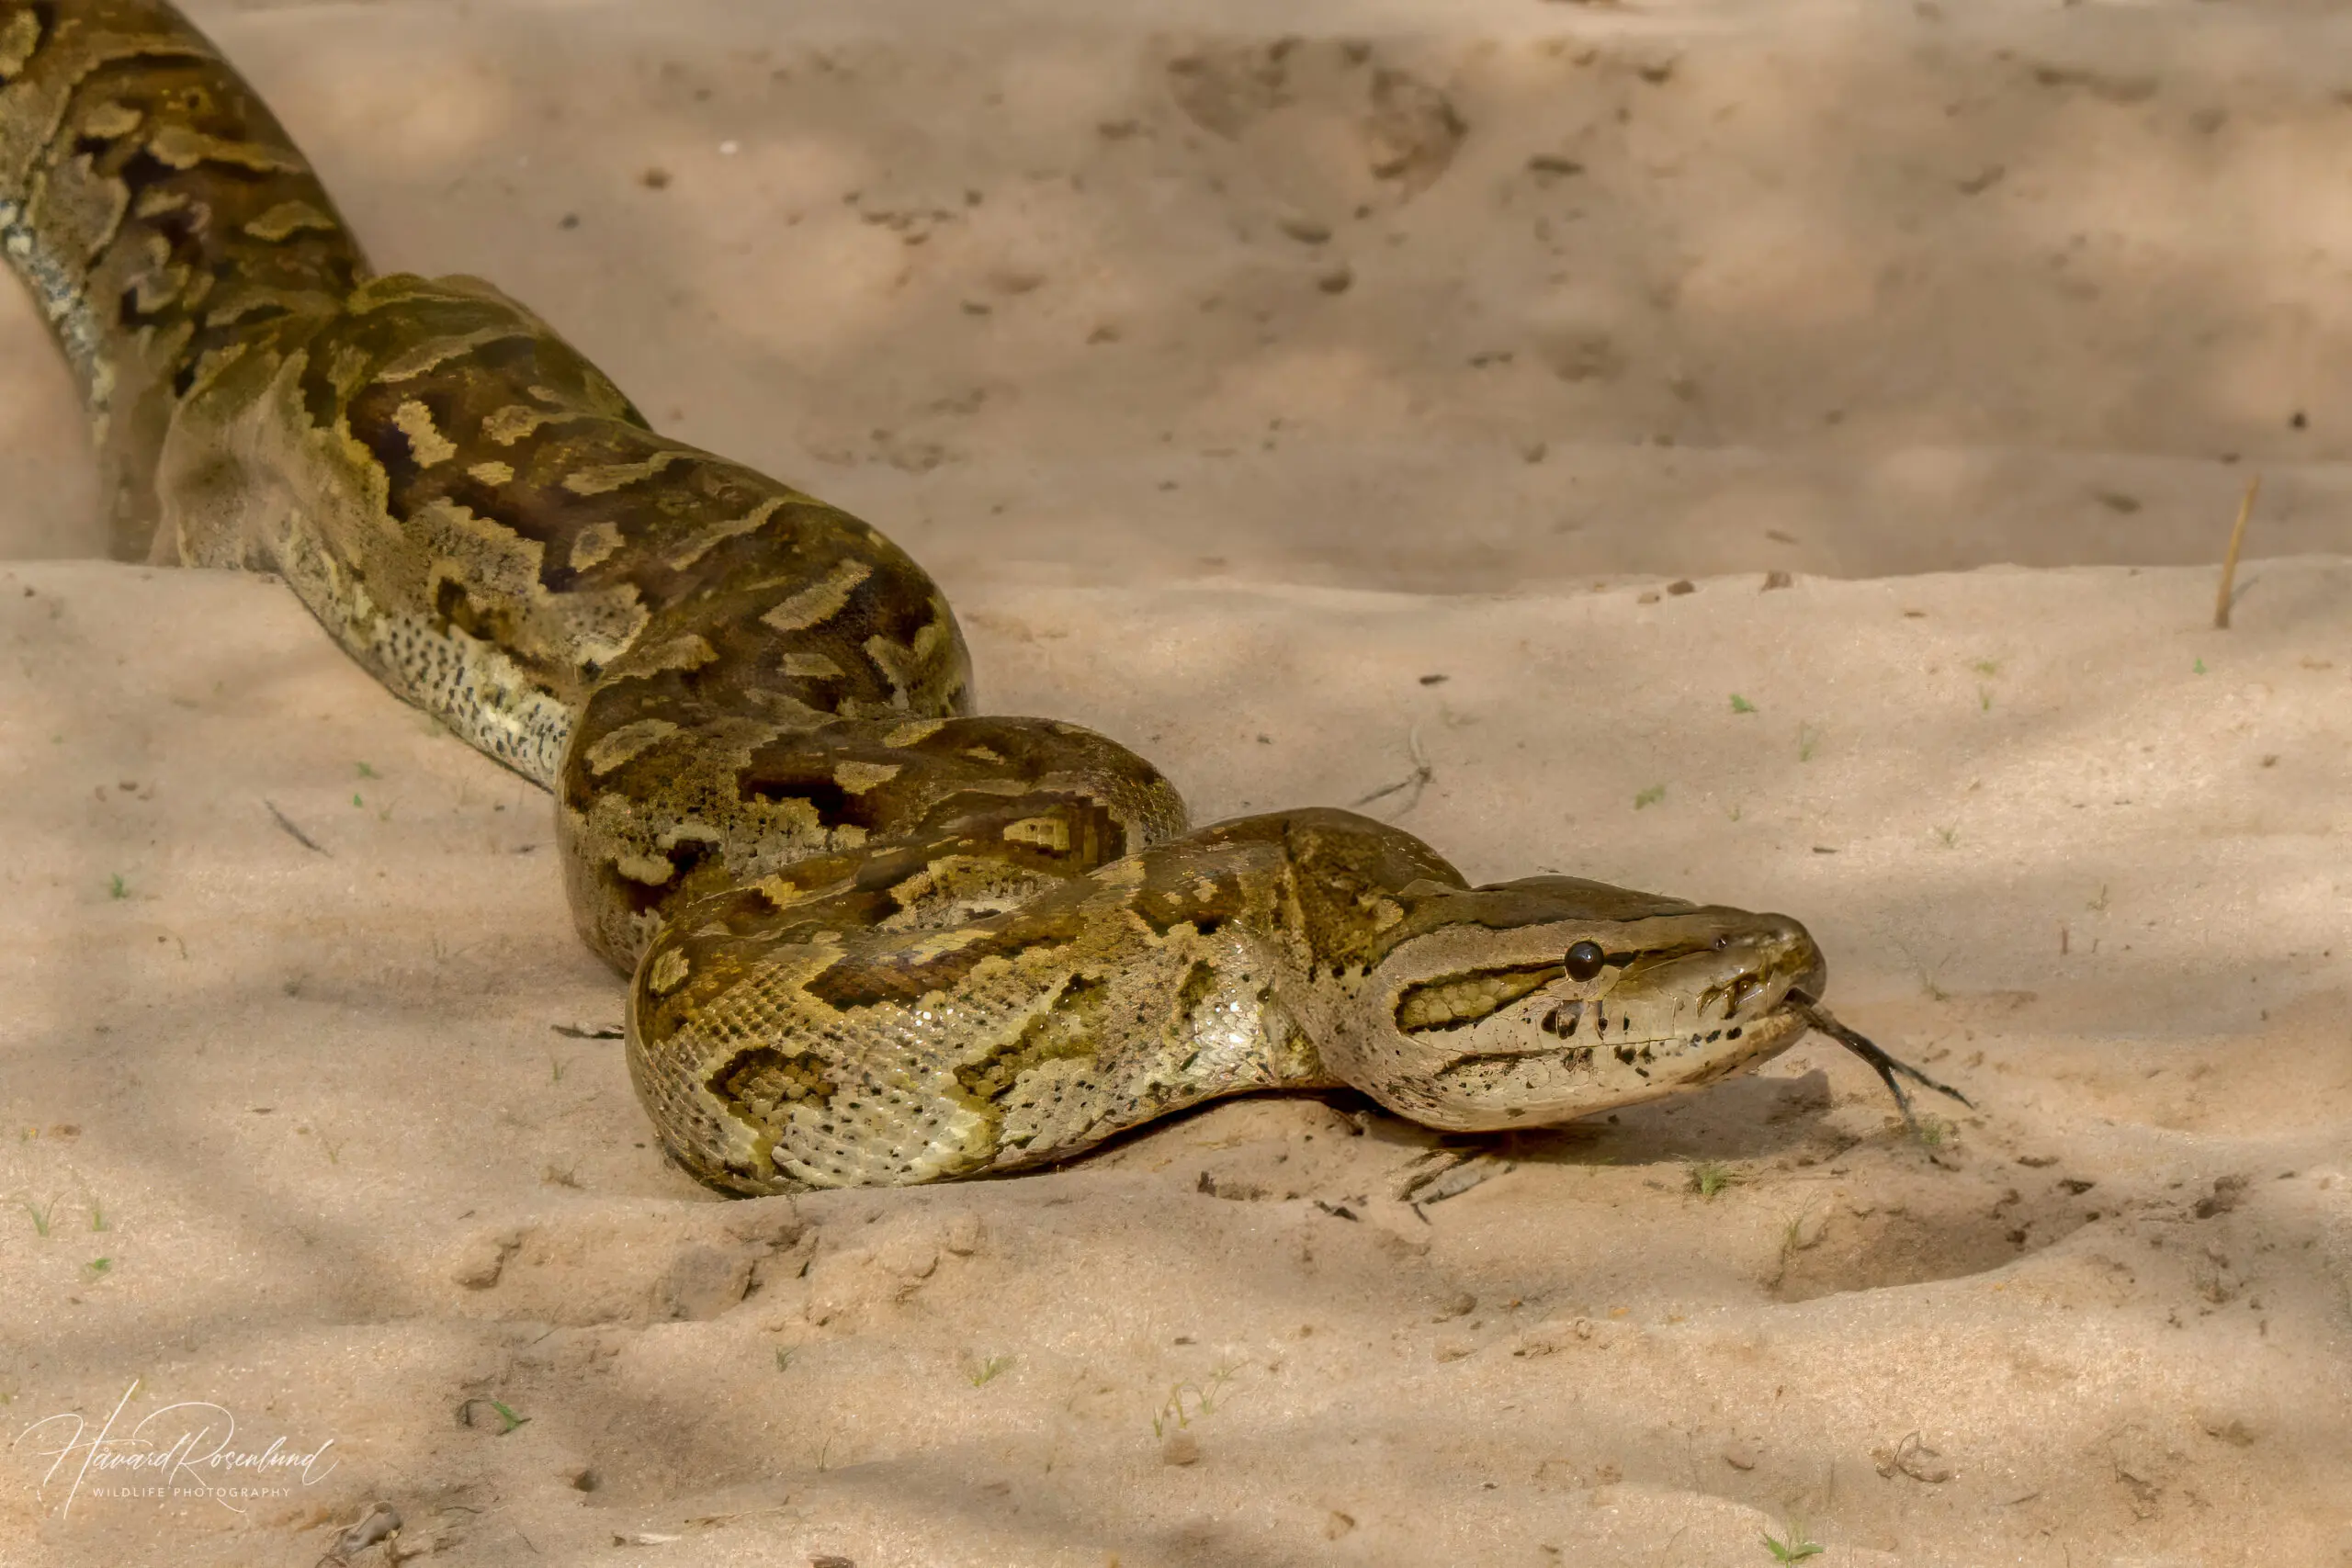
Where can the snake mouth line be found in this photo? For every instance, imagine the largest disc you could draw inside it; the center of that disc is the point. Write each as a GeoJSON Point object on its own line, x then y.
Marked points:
{"type": "Point", "coordinates": [1887, 1067]}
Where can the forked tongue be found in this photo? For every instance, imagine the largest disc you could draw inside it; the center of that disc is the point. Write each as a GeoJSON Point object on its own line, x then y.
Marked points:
{"type": "Point", "coordinates": [1820, 1017]}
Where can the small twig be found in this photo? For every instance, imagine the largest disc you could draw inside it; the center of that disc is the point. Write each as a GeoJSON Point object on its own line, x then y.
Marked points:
{"type": "Point", "coordinates": [2229, 561]}
{"type": "Point", "coordinates": [299, 837]}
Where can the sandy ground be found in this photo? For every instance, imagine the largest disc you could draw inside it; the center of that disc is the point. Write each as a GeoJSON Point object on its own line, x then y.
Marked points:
{"type": "Point", "coordinates": [1319, 417]}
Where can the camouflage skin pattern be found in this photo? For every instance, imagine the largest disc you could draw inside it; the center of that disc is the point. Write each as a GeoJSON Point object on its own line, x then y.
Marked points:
{"type": "Point", "coordinates": [873, 936]}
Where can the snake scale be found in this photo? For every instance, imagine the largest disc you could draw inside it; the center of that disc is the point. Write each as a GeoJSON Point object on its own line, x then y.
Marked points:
{"type": "Point", "coordinates": [874, 937]}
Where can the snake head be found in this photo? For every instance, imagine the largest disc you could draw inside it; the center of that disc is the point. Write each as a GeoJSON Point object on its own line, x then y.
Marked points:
{"type": "Point", "coordinates": [1529, 1003]}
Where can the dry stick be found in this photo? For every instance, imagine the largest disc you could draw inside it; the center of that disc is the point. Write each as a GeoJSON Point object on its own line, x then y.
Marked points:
{"type": "Point", "coordinates": [2229, 561]}
{"type": "Point", "coordinates": [299, 837]}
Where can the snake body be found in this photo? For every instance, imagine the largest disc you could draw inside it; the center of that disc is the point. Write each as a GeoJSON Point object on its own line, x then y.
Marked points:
{"type": "Point", "coordinates": [873, 936]}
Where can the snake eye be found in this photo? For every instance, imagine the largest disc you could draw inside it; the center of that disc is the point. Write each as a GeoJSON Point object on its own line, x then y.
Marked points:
{"type": "Point", "coordinates": [1585, 960]}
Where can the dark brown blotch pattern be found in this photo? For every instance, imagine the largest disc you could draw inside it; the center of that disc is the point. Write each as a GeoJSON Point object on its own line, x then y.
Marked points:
{"type": "Point", "coordinates": [764, 1081]}
{"type": "Point", "coordinates": [1068, 1029]}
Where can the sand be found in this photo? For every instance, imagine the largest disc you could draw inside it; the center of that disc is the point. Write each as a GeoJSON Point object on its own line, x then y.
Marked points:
{"type": "Point", "coordinates": [1333, 420]}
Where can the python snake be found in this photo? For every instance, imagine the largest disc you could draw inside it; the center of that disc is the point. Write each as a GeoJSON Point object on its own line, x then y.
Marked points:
{"type": "Point", "coordinates": [873, 936]}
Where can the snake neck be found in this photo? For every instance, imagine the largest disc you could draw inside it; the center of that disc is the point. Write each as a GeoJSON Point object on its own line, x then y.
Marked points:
{"type": "Point", "coordinates": [1225, 1035]}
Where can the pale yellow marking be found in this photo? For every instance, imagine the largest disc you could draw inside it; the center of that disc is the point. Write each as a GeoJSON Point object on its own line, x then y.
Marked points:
{"type": "Point", "coordinates": [495, 473]}
{"type": "Point", "coordinates": [181, 148]}
{"type": "Point", "coordinates": [811, 667]}
{"type": "Point", "coordinates": [909, 666]}
{"type": "Point", "coordinates": [242, 299]}
{"type": "Point", "coordinates": [17, 41]}
{"type": "Point", "coordinates": [108, 121]}
{"type": "Point", "coordinates": [596, 542]}
{"type": "Point", "coordinates": [611, 750]}
{"type": "Point", "coordinates": [651, 870]}
{"type": "Point", "coordinates": [982, 754]}
{"type": "Point", "coordinates": [155, 201]}
{"type": "Point", "coordinates": [1046, 832]}
{"type": "Point", "coordinates": [287, 218]}
{"type": "Point", "coordinates": [718, 534]}
{"type": "Point", "coordinates": [347, 370]}
{"type": "Point", "coordinates": [858, 777]}
{"type": "Point", "coordinates": [609, 477]}
{"type": "Point", "coordinates": [905, 893]}
{"type": "Point", "coordinates": [405, 288]}
{"type": "Point", "coordinates": [690, 651]}
{"type": "Point", "coordinates": [914, 734]}
{"type": "Point", "coordinates": [511, 424]}
{"type": "Point", "coordinates": [433, 353]}
{"type": "Point", "coordinates": [782, 893]}
{"type": "Point", "coordinates": [820, 602]}
{"type": "Point", "coordinates": [1472, 996]}
{"type": "Point", "coordinates": [668, 973]}
{"type": "Point", "coordinates": [425, 443]}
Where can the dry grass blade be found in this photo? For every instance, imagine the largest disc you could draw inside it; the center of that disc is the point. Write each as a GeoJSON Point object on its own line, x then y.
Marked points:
{"type": "Point", "coordinates": [2229, 560]}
